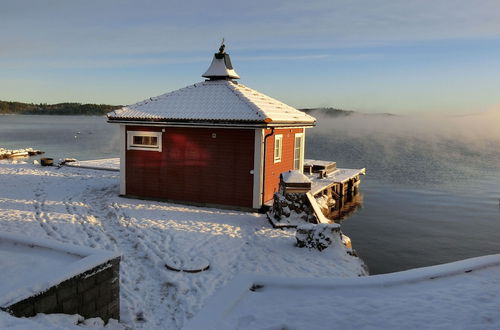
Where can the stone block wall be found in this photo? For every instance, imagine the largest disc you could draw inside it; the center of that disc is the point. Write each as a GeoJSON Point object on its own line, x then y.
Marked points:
{"type": "Point", "coordinates": [94, 293]}
{"type": "Point", "coordinates": [292, 205]}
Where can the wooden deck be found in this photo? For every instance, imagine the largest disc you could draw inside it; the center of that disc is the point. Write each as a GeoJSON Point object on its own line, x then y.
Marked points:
{"type": "Point", "coordinates": [339, 182]}
{"type": "Point", "coordinates": [339, 176]}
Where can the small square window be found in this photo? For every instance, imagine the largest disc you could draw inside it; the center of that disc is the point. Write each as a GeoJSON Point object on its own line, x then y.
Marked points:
{"type": "Point", "coordinates": [278, 146]}
{"type": "Point", "coordinates": [139, 140]}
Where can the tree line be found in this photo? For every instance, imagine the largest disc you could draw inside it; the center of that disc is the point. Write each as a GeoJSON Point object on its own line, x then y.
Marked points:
{"type": "Point", "coordinates": [55, 109]}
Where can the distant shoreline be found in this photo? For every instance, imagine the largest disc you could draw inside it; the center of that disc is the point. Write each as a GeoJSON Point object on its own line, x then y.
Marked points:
{"type": "Point", "coordinates": [69, 109]}
{"type": "Point", "coordinates": [79, 109]}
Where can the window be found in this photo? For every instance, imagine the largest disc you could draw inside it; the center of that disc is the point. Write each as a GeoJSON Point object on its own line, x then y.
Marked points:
{"type": "Point", "coordinates": [278, 146]}
{"type": "Point", "coordinates": [140, 140]}
{"type": "Point", "coordinates": [298, 154]}
{"type": "Point", "coordinates": [149, 141]}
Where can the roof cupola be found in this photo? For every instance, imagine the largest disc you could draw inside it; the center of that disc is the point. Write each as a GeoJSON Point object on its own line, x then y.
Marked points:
{"type": "Point", "coordinates": [221, 67]}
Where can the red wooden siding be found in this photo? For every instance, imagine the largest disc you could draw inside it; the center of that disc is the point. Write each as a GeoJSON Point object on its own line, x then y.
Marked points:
{"type": "Point", "coordinates": [194, 167]}
{"type": "Point", "coordinates": [273, 170]}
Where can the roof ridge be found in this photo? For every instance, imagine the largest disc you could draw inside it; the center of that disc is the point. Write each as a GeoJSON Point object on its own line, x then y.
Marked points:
{"type": "Point", "coordinates": [266, 98]}
{"type": "Point", "coordinates": [234, 88]}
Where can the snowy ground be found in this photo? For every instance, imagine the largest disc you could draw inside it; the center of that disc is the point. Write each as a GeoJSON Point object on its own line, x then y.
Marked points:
{"type": "Point", "coordinates": [459, 295]}
{"type": "Point", "coordinates": [82, 207]}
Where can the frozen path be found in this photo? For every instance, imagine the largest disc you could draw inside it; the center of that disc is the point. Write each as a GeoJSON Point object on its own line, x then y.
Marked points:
{"type": "Point", "coordinates": [82, 207]}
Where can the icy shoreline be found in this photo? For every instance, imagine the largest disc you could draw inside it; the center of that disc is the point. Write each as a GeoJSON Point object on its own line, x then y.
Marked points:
{"type": "Point", "coordinates": [9, 153]}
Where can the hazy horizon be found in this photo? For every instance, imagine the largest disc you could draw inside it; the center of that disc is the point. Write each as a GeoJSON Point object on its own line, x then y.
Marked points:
{"type": "Point", "coordinates": [384, 56]}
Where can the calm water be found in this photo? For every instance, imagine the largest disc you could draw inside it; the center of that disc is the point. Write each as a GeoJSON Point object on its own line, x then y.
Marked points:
{"type": "Point", "coordinates": [431, 193]}
{"type": "Point", "coordinates": [81, 137]}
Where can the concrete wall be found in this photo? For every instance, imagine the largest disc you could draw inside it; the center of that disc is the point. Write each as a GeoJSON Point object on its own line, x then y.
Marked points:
{"type": "Point", "coordinates": [94, 293]}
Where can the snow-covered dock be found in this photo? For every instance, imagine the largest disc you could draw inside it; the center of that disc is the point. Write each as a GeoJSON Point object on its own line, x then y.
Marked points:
{"type": "Point", "coordinates": [107, 164]}
{"type": "Point", "coordinates": [335, 189]}
{"type": "Point", "coordinates": [9, 153]}
{"type": "Point", "coordinates": [340, 176]}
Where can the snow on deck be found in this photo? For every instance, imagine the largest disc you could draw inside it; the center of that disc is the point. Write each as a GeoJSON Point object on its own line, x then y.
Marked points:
{"type": "Point", "coordinates": [109, 164]}
{"type": "Point", "coordinates": [462, 294]}
{"type": "Point", "coordinates": [294, 176]}
{"type": "Point", "coordinates": [82, 207]}
{"type": "Point", "coordinates": [341, 175]}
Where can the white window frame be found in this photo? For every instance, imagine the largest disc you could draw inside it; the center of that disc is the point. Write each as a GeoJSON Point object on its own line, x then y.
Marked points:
{"type": "Point", "coordinates": [301, 156]}
{"type": "Point", "coordinates": [278, 152]}
{"type": "Point", "coordinates": [132, 146]}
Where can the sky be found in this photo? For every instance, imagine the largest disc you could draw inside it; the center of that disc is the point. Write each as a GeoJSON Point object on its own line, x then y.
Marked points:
{"type": "Point", "coordinates": [365, 55]}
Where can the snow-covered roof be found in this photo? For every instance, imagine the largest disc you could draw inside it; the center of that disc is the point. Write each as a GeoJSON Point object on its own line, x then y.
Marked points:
{"type": "Point", "coordinates": [213, 101]}
{"type": "Point", "coordinates": [219, 100]}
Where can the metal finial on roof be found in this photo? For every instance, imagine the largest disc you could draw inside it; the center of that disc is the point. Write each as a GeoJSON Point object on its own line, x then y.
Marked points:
{"type": "Point", "coordinates": [222, 46]}
{"type": "Point", "coordinates": [221, 67]}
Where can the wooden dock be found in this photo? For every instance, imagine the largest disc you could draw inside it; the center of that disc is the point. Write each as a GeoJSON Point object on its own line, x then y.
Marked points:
{"type": "Point", "coordinates": [335, 189]}
{"type": "Point", "coordinates": [18, 153]}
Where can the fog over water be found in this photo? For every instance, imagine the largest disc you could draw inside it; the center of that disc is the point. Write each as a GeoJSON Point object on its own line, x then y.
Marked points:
{"type": "Point", "coordinates": [432, 189]}
{"type": "Point", "coordinates": [412, 150]}
{"type": "Point", "coordinates": [431, 193]}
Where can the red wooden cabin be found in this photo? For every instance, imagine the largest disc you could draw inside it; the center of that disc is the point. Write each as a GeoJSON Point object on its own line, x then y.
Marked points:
{"type": "Point", "coordinates": [214, 143]}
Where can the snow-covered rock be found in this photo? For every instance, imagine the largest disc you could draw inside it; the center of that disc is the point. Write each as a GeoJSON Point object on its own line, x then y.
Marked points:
{"type": "Point", "coordinates": [319, 236]}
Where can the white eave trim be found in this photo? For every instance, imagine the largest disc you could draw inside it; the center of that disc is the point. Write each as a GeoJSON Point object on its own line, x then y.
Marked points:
{"type": "Point", "coordinates": [249, 125]}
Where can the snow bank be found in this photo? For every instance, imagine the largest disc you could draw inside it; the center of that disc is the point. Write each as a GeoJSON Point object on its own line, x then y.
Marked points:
{"type": "Point", "coordinates": [462, 294]}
